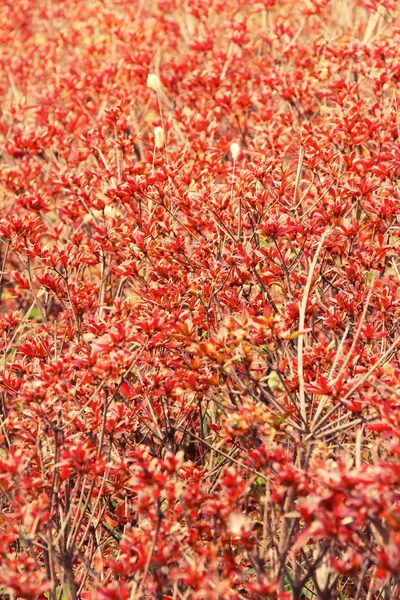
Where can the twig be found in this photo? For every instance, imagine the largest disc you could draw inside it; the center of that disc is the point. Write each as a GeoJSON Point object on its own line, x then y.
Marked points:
{"type": "Point", "coordinates": [302, 317]}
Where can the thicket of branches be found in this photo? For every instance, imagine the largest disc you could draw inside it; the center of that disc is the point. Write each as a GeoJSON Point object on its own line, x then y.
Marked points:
{"type": "Point", "coordinates": [199, 378]}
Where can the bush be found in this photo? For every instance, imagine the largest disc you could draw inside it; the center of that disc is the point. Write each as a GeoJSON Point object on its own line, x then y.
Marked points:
{"type": "Point", "coordinates": [199, 300]}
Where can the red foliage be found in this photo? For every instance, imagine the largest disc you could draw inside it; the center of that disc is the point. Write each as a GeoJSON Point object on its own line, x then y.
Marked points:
{"type": "Point", "coordinates": [199, 305]}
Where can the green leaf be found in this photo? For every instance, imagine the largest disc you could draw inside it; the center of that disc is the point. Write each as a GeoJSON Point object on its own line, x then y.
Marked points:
{"type": "Point", "coordinates": [263, 242]}
{"type": "Point", "coordinates": [34, 314]}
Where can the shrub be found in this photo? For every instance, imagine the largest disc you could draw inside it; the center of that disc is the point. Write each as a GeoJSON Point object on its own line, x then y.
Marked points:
{"type": "Point", "coordinates": [199, 385]}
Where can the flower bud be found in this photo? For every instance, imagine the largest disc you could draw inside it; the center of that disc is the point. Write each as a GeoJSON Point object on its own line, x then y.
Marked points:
{"type": "Point", "coordinates": [238, 524]}
{"type": "Point", "coordinates": [159, 137]}
{"type": "Point", "coordinates": [235, 150]}
{"type": "Point", "coordinates": [153, 82]}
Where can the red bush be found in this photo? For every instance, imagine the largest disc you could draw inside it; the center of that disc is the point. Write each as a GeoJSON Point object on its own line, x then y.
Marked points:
{"type": "Point", "coordinates": [199, 385]}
